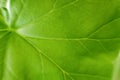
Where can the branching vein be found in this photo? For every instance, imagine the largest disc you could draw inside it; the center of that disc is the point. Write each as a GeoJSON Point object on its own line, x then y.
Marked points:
{"type": "Point", "coordinates": [43, 54]}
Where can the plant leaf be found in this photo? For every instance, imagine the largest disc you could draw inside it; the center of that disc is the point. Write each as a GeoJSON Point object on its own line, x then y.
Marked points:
{"type": "Point", "coordinates": [60, 40]}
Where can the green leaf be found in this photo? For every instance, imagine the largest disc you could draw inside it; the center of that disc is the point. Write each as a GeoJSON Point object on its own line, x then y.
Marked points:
{"type": "Point", "coordinates": [60, 40]}
{"type": "Point", "coordinates": [3, 3]}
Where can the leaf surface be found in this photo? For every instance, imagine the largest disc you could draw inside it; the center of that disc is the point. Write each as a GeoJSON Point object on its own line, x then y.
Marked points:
{"type": "Point", "coordinates": [60, 40]}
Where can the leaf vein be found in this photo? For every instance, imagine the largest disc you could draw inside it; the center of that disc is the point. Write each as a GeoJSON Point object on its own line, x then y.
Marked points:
{"type": "Point", "coordinates": [42, 53]}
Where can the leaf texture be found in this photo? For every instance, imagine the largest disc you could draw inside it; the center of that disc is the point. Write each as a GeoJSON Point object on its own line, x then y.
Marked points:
{"type": "Point", "coordinates": [60, 40]}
